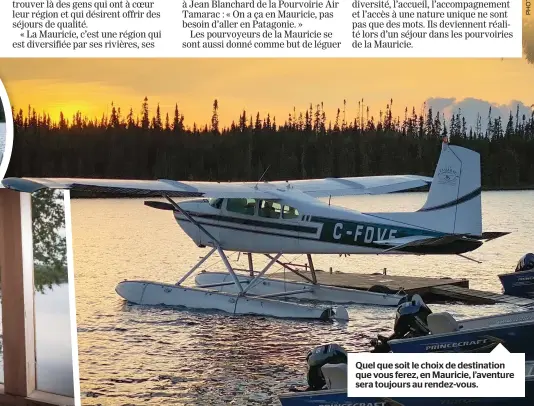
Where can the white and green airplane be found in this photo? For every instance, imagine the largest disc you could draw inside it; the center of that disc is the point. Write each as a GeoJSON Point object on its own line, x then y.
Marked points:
{"type": "Point", "coordinates": [286, 217]}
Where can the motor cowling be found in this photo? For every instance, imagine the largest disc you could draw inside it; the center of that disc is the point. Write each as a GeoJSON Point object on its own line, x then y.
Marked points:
{"type": "Point", "coordinates": [410, 321]}
{"type": "Point", "coordinates": [320, 356]}
{"type": "Point", "coordinates": [526, 263]}
{"type": "Point", "coordinates": [411, 317]}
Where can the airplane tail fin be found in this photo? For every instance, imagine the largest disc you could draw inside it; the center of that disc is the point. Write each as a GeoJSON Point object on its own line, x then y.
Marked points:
{"type": "Point", "coordinates": [453, 205]}
{"type": "Point", "coordinates": [455, 193]}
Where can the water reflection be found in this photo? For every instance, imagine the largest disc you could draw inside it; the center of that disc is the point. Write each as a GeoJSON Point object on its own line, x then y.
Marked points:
{"type": "Point", "coordinates": [53, 341]}
{"type": "Point", "coordinates": [161, 356]}
{"type": "Point", "coordinates": [54, 369]}
{"type": "Point", "coordinates": [52, 310]}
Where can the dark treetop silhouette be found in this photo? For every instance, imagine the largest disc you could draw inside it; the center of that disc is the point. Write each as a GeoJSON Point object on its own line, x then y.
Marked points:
{"type": "Point", "coordinates": [304, 145]}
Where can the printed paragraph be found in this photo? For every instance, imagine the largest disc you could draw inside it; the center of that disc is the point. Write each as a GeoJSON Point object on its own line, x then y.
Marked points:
{"type": "Point", "coordinates": [74, 25]}
{"type": "Point", "coordinates": [269, 24]}
{"type": "Point", "coordinates": [402, 24]}
{"type": "Point", "coordinates": [437, 374]}
{"type": "Point", "coordinates": [277, 28]}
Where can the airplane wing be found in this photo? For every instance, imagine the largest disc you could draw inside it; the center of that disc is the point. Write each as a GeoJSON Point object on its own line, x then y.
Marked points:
{"type": "Point", "coordinates": [252, 190]}
{"type": "Point", "coordinates": [141, 187]}
{"type": "Point", "coordinates": [373, 185]}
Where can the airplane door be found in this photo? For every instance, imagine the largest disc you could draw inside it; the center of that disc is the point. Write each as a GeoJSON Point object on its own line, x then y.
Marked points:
{"type": "Point", "coordinates": [210, 220]}
{"type": "Point", "coordinates": [292, 222]}
{"type": "Point", "coordinates": [238, 217]}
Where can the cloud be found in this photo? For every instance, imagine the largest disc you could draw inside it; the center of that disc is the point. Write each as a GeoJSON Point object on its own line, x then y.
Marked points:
{"type": "Point", "coordinates": [470, 108]}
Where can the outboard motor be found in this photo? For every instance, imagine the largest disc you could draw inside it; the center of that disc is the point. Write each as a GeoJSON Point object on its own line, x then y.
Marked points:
{"type": "Point", "coordinates": [410, 321]}
{"type": "Point", "coordinates": [316, 358]}
{"type": "Point", "coordinates": [526, 263]}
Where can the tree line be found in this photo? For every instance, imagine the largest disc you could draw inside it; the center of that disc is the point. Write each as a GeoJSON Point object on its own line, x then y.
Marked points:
{"type": "Point", "coordinates": [301, 145]}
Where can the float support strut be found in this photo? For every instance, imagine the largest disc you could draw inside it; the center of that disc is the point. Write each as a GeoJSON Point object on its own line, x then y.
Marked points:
{"type": "Point", "coordinates": [286, 266]}
{"type": "Point", "coordinates": [250, 264]}
{"type": "Point", "coordinates": [213, 239]}
{"type": "Point", "coordinates": [312, 269]}
{"type": "Point", "coordinates": [183, 278]}
{"type": "Point", "coordinates": [267, 267]}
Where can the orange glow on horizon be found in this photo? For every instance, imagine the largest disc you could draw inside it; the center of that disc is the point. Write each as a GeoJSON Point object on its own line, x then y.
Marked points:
{"type": "Point", "coordinates": [275, 86]}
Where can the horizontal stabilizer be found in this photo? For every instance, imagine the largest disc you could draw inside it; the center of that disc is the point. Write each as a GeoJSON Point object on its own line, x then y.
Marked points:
{"type": "Point", "coordinates": [159, 205]}
{"type": "Point", "coordinates": [396, 242]}
{"type": "Point", "coordinates": [420, 241]}
{"type": "Point", "coordinates": [492, 235]}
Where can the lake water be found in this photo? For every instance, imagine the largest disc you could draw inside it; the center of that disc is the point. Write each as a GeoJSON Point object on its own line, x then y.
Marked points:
{"type": "Point", "coordinates": [135, 355]}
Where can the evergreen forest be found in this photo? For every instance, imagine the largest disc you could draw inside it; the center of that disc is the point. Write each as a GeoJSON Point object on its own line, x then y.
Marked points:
{"type": "Point", "coordinates": [307, 144]}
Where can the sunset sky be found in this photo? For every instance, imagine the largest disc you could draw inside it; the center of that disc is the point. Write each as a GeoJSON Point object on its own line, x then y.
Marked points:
{"type": "Point", "coordinates": [270, 85]}
{"type": "Point", "coordinates": [264, 85]}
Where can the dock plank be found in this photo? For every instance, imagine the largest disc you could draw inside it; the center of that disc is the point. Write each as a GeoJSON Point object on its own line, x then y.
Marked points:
{"type": "Point", "coordinates": [480, 296]}
{"type": "Point", "coordinates": [455, 289]}
{"type": "Point", "coordinates": [410, 284]}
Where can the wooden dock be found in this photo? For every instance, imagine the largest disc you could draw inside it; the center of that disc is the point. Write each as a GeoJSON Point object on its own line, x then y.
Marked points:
{"type": "Point", "coordinates": [431, 289]}
{"type": "Point", "coordinates": [393, 283]}
{"type": "Point", "coordinates": [479, 296]}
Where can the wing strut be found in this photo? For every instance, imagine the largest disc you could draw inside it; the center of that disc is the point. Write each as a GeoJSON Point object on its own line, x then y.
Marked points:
{"type": "Point", "coordinates": [214, 240]}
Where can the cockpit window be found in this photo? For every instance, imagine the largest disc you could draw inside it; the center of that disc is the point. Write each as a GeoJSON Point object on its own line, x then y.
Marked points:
{"type": "Point", "coordinates": [270, 209]}
{"type": "Point", "coordinates": [215, 202]}
{"type": "Point", "coordinates": [241, 206]}
{"type": "Point", "coordinates": [290, 213]}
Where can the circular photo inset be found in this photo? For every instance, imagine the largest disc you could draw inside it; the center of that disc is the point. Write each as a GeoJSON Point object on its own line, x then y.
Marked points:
{"type": "Point", "coordinates": [6, 131]}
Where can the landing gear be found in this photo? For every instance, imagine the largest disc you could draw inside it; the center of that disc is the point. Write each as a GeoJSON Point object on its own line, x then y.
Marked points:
{"type": "Point", "coordinates": [241, 300]}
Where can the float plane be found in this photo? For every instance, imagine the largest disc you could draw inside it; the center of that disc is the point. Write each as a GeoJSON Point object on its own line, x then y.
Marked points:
{"type": "Point", "coordinates": [287, 217]}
